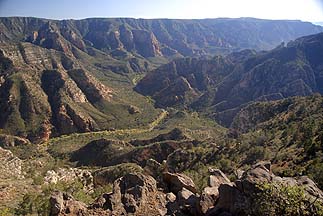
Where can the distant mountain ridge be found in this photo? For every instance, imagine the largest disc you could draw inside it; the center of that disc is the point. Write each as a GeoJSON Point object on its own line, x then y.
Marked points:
{"type": "Point", "coordinates": [74, 76]}
{"type": "Point", "coordinates": [155, 37]}
{"type": "Point", "coordinates": [225, 84]}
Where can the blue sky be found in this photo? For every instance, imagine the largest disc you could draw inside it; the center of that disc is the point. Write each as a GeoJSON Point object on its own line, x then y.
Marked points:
{"type": "Point", "coordinates": [307, 10]}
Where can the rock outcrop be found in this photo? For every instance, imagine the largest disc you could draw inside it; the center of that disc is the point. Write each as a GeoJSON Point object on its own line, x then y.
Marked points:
{"type": "Point", "coordinates": [7, 141]}
{"type": "Point", "coordinates": [50, 85]}
{"type": "Point", "coordinates": [78, 57]}
{"type": "Point", "coordinates": [210, 194]}
{"type": "Point", "coordinates": [151, 38]}
{"type": "Point", "coordinates": [237, 197]}
{"type": "Point", "coordinates": [11, 167]}
{"type": "Point", "coordinates": [92, 88]}
{"type": "Point", "coordinates": [63, 204]}
{"type": "Point", "coordinates": [137, 194]}
{"type": "Point", "coordinates": [70, 175]}
{"type": "Point", "coordinates": [146, 43]}
{"type": "Point", "coordinates": [184, 80]}
{"type": "Point", "coordinates": [177, 181]}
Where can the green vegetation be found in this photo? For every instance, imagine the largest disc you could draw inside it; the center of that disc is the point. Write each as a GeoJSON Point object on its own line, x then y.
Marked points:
{"type": "Point", "coordinates": [34, 203]}
{"type": "Point", "coordinates": [287, 132]}
{"type": "Point", "coordinates": [80, 87]}
{"type": "Point", "coordinates": [193, 125]}
{"type": "Point", "coordinates": [273, 199]}
{"type": "Point", "coordinates": [6, 211]}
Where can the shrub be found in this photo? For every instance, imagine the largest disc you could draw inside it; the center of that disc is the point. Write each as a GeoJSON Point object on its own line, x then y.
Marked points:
{"type": "Point", "coordinates": [6, 212]}
{"type": "Point", "coordinates": [316, 173]}
{"type": "Point", "coordinates": [38, 204]}
{"type": "Point", "coordinates": [255, 154]}
{"type": "Point", "coordinates": [278, 199]}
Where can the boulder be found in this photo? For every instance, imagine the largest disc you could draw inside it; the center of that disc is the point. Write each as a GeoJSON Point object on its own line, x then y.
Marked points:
{"type": "Point", "coordinates": [210, 194]}
{"type": "Point", "coordinates": [258, 174]}
{"type": "Point", "coordinates": [176, 182]}
{"type": "Point", "coordinates": [186, 197]}
{"type": "Point", "coordinates": [206, 202]}
{"type": "Point", "coordinates": [64, 204]}
{"type": "Point", "coordinates": [310, 187]}
{"type": "Point", "coordinates": [217, 178]}
{"type": "Point", "coordinates": [231, 200]}
{"type": "Point", "coordinates": [238, 173]}
{"type": "Point", "coordinates": [233, 197]}
{"type": "Point", "coordinates": [236, 197]}
{"type": "Point", "coordinates": [188, 201]}
{"type": "Point", "coordinates": [170, 197]}
{"type": "Point", "coordinates": [134, 194]}
{"type": "Point", "coordinates": [208, 199]}
{"type": "Point", "coordinates": [133, 110]}
{"type": "Point", "coordinates": [56, 202]}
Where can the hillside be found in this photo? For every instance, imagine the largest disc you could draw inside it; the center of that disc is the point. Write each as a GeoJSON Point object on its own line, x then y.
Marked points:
{"type": "Point", "coordinates": [72, 76]}
{"type": "Point", "coordinates": [285, 132]}
{"type": "Point", "coordinates": [46, 93]}
{"type": "Point", "coordinates": [122, 116]}
{"type": "Point", "coordinates": [156, 37]}
{"type": "Point", "coordinates": [288, 132]}
{"type": "Point", "coordinates": [226, 84]}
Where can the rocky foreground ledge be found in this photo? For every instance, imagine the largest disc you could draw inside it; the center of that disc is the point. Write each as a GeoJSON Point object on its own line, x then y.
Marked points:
{"type": "Point", "coordinates": [253, 193]}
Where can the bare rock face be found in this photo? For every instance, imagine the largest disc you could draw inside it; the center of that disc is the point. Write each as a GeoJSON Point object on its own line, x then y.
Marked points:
{"type": "Point", "coordinates": [66, 117]}
{"type": "Point", "coordinates": [188, 201]}
{"type": "Point", "coordinates": [64, 204]}
{"type": "Point", "coordinates": [217, 178]}
{"type": "Point", "coordinates": [146, 43]}
{"type": "Point", "coordinates": [70, 175]}
{"type": "Point", "coordinates": [135, 194]}
{"type": "Point", "coordinates": [210, 194]}
{"type": "Point", "coordinates": [93, 89]}
{"type": "Point", "coordinates": [48, 36]}
{"type": "Point", "coordinates": [259, 173]}
{"type": "Point", "coordinates": [73, 37]}
{"type": "Point", "coordinates": [170, 197]}
{"type": "Point", "coordinates": [177, 181]}
{"type": "Point", "coordinates": [10, 166]}
{"type": "Point", "coordinates": [235, 198]}
{"type": "Point", "coordinates": [182, 81]}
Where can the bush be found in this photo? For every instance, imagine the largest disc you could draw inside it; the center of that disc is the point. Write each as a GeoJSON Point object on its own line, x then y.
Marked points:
{"type": "Point", "coordinates": [278, 199]}
{"type": "Point", "coordinates": [225, 165]}
{"type": "Point", "coordinates": [316, 173]}
{"type": "Point", "coordinates": [34, 204]}
{"type": "Point", "coordinates": [256, 153]}
{"type": "Point", "coordinates": [6, 212]}
{"type": "Point", "coordinates": [38, 204]}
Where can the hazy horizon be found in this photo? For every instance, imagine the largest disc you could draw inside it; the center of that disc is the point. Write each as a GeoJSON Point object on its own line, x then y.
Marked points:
{"type": "Point", "coordinates": [305, 10]}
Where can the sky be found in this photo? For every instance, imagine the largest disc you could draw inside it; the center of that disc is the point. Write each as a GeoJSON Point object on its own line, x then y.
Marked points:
{"type": "Point", "coordinates": [306, 10]}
